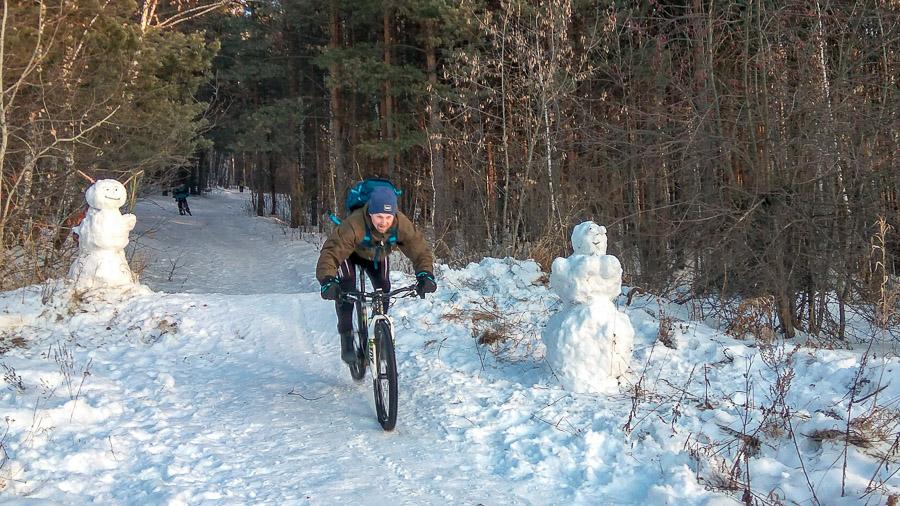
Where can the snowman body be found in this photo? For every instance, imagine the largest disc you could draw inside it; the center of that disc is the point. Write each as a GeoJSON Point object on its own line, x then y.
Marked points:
{"type": "Point", "coordinates": [102, 237]}
{"type": "Point", "coordinates": [589, 341]}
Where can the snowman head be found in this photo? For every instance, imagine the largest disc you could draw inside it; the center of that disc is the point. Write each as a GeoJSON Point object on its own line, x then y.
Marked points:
{"type": "Point", "coordinates": [588, 238]}
{"type": "Point", "coordinates": [106, 194]}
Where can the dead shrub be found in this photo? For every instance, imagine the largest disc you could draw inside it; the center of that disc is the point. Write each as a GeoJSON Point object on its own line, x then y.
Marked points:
{"type": "Point", "coordinates": [8, 342]}
{"type": "Point", "coordinates": [666, 331]}
{"type": "Point", "coordinates": [878, 425]}
{"type": "Point", "coordinates": [502, 333]}
{"type": "Point", "coordinates": [853, 438]}
{"type": "Point", "coordinates": [754, 318]}
{"type": "Point", "coordinates": [13, 380]}
{"type": "Point", "coordinates": [552, 244]}
{"type": "Point", "coordinates": [490, 336]}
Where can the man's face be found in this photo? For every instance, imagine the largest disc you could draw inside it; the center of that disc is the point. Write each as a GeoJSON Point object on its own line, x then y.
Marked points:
{"type": "Point", "coordinates": [382, 221]}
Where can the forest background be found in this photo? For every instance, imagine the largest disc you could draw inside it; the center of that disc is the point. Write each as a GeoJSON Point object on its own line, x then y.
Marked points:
{"type": "Point", "coordinates": [732, 148]}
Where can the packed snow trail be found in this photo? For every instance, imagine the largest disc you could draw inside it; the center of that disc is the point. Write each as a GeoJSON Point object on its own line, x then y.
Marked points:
{"type": "Point", "coordinates": [220, 249]}
{"type": "Point", "coordinates": [258, 411]}
{"type": "Point", "coordinates": [280, 405]}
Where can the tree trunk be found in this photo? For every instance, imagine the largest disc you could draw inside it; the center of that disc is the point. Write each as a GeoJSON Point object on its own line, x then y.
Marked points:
{"type": "Point", "coordinates": [259, 184]}
{"type": "Point", "coordinates": [296, 196]}
{"type": "Point", "coordinates": [273, 167]}
{"type": "Point", "coordinates": [336, 148]}
{"type": "Point", "coordinates": [387, 114]}
{"type": "Point", "coordinates": [442, 217]}
{"type": "Point", "coordinates": [505, 119]}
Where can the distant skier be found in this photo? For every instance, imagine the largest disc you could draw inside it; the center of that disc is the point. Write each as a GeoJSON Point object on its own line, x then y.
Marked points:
{"type": "Point", "coordinates": [181, 195]}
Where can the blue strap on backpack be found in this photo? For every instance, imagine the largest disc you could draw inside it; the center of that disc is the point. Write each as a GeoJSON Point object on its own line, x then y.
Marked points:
{"type": "Point", "coordinates": [367, 243]}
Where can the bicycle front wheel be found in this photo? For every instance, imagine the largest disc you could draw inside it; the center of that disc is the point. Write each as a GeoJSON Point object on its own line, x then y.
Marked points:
{"type": "Point", "coordinates": [385, 377]}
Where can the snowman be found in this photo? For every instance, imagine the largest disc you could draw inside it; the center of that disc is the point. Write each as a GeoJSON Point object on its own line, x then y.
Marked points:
{"type": "Point", "coordinates": [102, 237]}
{"type": "Point", "coordinates": [589, 342]}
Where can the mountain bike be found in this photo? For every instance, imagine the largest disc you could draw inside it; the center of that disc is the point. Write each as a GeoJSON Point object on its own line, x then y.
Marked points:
{"type": "Point", "coordinates": [374, 344]}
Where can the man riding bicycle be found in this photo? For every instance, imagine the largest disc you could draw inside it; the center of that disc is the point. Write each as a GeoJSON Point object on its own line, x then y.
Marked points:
{"type": "Point", "coordinates": [366, 238]}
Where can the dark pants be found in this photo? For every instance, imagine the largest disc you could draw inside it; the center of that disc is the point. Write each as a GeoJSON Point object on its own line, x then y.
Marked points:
{"type": "Point", "coordinates": [378, 273]}
{"type": "Point", "coordinates": [183, 206]}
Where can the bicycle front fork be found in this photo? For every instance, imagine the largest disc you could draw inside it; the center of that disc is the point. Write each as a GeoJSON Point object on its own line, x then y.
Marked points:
{"type": "Point", "coordinates": [372, 348]}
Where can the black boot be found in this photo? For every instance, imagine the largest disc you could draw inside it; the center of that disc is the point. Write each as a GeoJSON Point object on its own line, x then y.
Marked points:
{"type": "Point", "coordinates": [348, 354]}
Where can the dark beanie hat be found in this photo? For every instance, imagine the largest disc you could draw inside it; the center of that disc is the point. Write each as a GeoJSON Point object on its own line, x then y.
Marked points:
{"type": "Point", "coordinates": [383, 200]}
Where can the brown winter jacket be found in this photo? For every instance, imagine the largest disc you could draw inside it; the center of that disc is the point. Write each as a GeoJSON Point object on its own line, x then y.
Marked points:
{"type": "Point", "coordinates": [347, 237]}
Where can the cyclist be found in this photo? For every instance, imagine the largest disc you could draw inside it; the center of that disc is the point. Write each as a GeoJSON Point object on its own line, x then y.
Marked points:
{"type": "Point", "coordinates": [181, 195]}
{"type": "Point", "coordinates": [366, 238]}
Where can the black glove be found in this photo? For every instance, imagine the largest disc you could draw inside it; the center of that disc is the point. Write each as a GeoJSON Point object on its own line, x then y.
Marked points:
{"type": "Point", "coordinates": [425, 283]}
{"type": "Point", "coordinates": [331, 288]}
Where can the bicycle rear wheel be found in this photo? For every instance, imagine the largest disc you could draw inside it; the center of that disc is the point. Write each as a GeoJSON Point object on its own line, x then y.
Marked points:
{"type": "Point", "coordinates": [358, 368]}
{"type": "Point", "coordinates": [385, 378]}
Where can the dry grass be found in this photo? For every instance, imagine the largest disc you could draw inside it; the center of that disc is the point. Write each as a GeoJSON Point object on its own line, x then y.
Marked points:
{"type": "Point", "coordinates": [877, 426]}
{"type": "Point", "coordinates": [666, 332]}
{"type": "Point", "coordinates": [8, 342]}
{"type": "Point", "coordinates": [503, 334]}
{"type": "Point", "coordinates": [488, 326]}
{"type": "Point", "coordinates": [34, 261]}
{"type": "Point", "coordinates": [490, 336]}
{"type": "Point", "coordinates": [754, 318]}
{"type": "Point", "coordinates": [854, 438]}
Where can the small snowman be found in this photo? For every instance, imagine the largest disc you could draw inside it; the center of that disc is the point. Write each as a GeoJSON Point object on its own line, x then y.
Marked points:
{"type": "Point", "coordinates": [589, 342]}
{"type": "Point", "coordinates": [102, 237]}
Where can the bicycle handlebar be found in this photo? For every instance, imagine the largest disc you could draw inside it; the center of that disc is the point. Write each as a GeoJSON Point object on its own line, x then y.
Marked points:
{"type": "Point", "coordinates": [406, 291]}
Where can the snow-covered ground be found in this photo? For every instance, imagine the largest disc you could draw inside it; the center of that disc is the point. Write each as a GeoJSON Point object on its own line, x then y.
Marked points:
{"type": "Point", "coordinates": [225, 386]}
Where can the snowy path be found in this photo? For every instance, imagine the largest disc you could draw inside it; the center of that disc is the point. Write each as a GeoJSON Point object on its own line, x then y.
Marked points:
{"type": "Point", "coordinates": [274, 416]}
{"type": "Point", "coordinates": [280, 405]}
{"type": "Point", "coordinates": [259, 407]}
{"type": "Point", "coordinates": [220, 249]}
